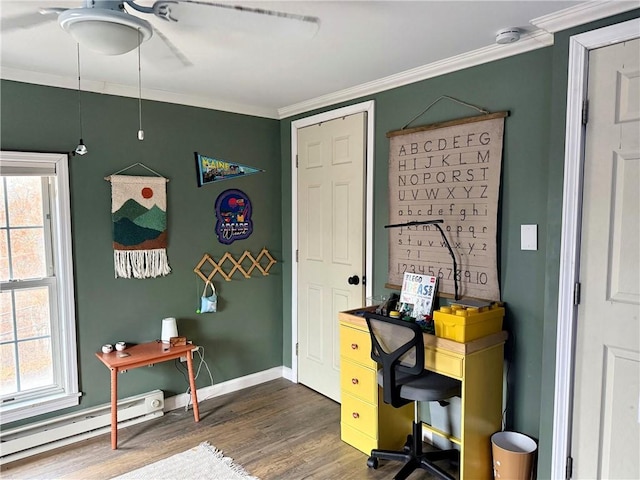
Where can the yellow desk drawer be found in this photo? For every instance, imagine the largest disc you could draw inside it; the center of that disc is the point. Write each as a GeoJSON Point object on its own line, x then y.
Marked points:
{"type": "Point", "coordinates": [360, 415]}
{"type": "Point", "coordinates": [357, 439]}
{"type": "Point", "coordinates": [358, 380]}
{"type": "Point", "coordinates": [356, 345]}
{"type": "Point", "coordinates": [444, 363]}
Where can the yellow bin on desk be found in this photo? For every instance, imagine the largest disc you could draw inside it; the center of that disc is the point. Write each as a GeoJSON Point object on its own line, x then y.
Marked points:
{"type": "Point", "coordinates": [463, 324]}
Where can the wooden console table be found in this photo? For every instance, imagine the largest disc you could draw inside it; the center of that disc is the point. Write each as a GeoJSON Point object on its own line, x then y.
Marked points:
{"type": "Point", "coordinates": [366, 421]}
{"type": "Point", "coordinates": [142, 355]}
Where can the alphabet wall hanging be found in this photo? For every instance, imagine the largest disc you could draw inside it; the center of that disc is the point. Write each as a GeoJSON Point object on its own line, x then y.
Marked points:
{"type": "Point", "coordinates": [448, 171]}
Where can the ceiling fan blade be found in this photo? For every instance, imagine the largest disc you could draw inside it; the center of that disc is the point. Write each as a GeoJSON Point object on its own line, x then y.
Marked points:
{"type": "Point", "coordinates": [164, 53]}
{"type": "Point", "coordinates": [29, 20]}
{"type": "Point", "coordinates": [237, 18]}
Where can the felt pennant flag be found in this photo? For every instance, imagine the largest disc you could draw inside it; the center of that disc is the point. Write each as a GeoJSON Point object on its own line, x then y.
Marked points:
{"type": "Point", "coordinates": [139, 215]}
{"type": "Point", "coordinates": [214, 170]}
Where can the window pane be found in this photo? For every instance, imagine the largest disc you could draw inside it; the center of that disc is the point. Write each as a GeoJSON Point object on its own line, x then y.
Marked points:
{"type": "Point", "coordinates": [36, 364]}
{"type": "Point", "coordinates": [37, 276]}
{"type": "Point", "coordinates": [32, 312]}
{"type": "Point", "coordinates": [4, 256]}
{"type": "Point", "coordinates": [6, 317]}
{"type": "Point", "coordinates": [25, 201]}
{"type": "Point", "coordinates": [27, 253]}
{"type": "Point", "coordinates": [8, 383]}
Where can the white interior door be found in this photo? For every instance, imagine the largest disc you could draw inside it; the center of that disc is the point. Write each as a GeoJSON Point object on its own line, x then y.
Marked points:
{"type": "Point", "coordinates": [606, 416]}
{"type": "Point", "coordinates": [331, 219]}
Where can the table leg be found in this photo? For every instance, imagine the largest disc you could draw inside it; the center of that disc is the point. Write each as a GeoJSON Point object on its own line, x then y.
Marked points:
{"type": "Point", "coordinates": [192, 385]}
{"type": "Point", "coordinates": [114, 409]}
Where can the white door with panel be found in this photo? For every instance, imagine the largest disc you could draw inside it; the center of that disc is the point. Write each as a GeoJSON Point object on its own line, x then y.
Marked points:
{"type": "Point", "coordinates": [331, 218]}
{"type": "Point", "coordinates": [606, 416]}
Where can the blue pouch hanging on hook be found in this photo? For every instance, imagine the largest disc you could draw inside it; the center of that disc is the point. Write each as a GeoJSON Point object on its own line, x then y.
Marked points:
{"type": "Point", "coordinates": [208, 303]}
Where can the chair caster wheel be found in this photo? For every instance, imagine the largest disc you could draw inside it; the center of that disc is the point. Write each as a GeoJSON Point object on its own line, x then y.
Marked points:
{"type": "Point", "coordinates": [372, 462]}
{"type": "Point", "coordinates": [408, 445]}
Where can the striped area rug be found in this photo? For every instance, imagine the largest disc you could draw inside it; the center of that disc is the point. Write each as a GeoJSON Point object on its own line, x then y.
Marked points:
{"type": "Point", "coordinates": [203, 462]}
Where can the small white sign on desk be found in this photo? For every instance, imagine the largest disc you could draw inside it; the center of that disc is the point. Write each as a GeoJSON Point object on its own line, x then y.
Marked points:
{"type": "Point", "coordinates": [416, 296]}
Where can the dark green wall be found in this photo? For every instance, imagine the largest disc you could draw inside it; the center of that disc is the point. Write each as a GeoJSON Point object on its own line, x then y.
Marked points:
{"type": "Point", "coordinates": [519, 84]}
{"type": "Point", "coordinates": [532, 87]}
{"type": "Point", "coordinates": [253, 330]}
{"type": "Point", "coordinates": [245, 336]}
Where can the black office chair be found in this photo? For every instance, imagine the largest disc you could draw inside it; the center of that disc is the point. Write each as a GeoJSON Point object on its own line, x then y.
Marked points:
{"type": "Point", "coordinates": [398, 346]}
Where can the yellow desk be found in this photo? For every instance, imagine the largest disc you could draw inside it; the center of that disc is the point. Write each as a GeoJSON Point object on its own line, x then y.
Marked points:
{"type": "Point", "coordinates": [477, 364]}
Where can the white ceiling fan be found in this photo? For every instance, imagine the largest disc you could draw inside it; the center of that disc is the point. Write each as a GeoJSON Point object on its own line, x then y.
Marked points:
{"type": "Point", "coordinates": [105, 26]}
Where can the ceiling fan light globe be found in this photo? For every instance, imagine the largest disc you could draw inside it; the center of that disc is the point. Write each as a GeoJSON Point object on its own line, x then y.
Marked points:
{"type": "Point", "coordinates": [105, 31]}
{"type": "Point", "coordinates": [105, 38]}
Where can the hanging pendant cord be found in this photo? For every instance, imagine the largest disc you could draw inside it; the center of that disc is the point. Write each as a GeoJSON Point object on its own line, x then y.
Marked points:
{"type": "Point", "coordinates": [481, 110]}
{"type": "Point", "coordinates": [79, 95]}
{"type": "Point", "coordinates": [140, 132]}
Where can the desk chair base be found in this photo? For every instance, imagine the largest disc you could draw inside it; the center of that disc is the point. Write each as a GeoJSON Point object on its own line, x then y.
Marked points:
{"type": "Point", "coordinates": [414, 458]}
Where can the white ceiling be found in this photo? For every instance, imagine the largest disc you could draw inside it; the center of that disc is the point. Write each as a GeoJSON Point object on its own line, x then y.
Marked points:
{"type": "Point", "coordinates": [361, 47]}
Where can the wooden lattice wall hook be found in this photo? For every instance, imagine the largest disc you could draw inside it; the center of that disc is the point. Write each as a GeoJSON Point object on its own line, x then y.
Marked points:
{"type": "Point", "coordinates": [217, 267]}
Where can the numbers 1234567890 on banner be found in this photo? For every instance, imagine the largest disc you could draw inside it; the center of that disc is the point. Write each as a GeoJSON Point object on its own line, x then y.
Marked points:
{"type": "Point", "coordinates": [444, 273]}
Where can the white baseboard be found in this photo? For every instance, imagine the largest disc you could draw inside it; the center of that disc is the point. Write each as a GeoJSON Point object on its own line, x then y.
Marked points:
{"type": "Point", "coordinates": [43, 435]}
{"type": "Point", "coordinates": [287, 374]}
{"type": "Point", "coordinates": [234, 385]}
{"type": "Point", "coordinates": [427, 436]}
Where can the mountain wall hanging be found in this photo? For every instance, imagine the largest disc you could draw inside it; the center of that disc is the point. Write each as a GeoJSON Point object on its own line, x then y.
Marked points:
{"type": "Point", "coordinates": [139, 215]}
{"type": "Point", "coordinates": [215, 170]}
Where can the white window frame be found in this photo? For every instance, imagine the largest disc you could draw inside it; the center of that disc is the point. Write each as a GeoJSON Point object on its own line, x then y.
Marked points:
{"type": "Point", "coordinates": [63, 328]}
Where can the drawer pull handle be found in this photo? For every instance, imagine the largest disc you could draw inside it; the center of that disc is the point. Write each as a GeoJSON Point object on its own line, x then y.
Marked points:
{"type": "Point", "coordinates": [354, 381]}
{"type": "Point", "coordinates": [355, 415]}
{"type": "Point", "coordinates": [354, 346]}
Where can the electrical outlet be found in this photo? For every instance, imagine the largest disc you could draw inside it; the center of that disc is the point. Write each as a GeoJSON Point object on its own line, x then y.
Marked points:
{"type": "Point", "coordinates": [184, 359]}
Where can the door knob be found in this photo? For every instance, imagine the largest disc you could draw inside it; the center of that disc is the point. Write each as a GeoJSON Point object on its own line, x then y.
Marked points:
{"type": "Point", "coordinates": [355, 280]}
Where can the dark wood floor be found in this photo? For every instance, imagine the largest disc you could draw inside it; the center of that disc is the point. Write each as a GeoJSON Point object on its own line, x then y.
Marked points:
{"type": "Point", "coordinates": [277, 431]}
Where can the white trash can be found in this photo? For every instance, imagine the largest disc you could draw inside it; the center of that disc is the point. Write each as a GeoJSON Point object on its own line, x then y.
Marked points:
{"type": "Point", "coordinates": [513, 455]}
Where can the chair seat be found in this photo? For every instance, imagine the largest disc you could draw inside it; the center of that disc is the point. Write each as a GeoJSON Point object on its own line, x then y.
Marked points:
{"type": "Point", "coordinates": [426, 387]}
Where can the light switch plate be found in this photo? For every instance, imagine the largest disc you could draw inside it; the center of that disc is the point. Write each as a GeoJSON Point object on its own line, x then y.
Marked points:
{"type": "Point", "coordinates": [528, 237]}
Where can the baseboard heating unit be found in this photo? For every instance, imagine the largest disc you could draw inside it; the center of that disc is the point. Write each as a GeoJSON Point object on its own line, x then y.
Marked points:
{"type": "Point", "coordinates": [41, 436]}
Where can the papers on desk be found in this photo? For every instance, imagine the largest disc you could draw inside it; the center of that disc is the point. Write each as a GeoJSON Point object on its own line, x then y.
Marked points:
{"type": "Point", "coordinates": [416, 296]}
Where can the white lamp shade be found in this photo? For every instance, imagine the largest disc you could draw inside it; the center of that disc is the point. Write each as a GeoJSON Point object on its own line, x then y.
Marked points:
{"type": "Point", "coordinates": [169, 329]}
{"type": "Point", "coordinates": [105, 31]}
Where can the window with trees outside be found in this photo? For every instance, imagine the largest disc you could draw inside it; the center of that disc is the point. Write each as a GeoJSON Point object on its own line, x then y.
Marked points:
{"type": "Point", "coordinates": [38, 359]}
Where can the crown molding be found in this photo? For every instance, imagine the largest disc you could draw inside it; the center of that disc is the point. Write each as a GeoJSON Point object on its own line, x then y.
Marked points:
{"type": "Point", "coordinates": [107, 88]}
{"type": "Point", "coordinates": [546, 26]}
{"type": "Point", "coordinates": [583, 13]}
{"type": "Point", "coordinates": [528, 42]}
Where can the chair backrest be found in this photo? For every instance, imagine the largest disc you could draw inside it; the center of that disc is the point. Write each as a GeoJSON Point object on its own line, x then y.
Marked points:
{"type": "Point", "coordinates": [398, 346]}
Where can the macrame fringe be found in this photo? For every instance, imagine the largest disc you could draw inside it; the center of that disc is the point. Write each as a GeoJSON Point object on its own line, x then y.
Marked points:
{"type": "Point", "coordinates": [141, 263]}
{"type": "Point", "coordinates": [218, 454]}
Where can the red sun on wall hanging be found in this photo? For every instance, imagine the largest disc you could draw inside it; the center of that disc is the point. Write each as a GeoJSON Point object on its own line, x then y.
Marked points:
{"type": "Point", "coordinates": [233, 216]}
